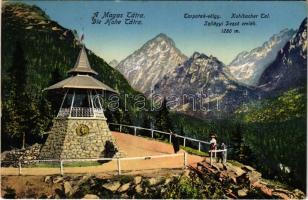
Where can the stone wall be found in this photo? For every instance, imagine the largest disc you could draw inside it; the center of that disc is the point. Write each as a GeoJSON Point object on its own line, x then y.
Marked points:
{"type": "Point", "coordinates": [24, 156]}
{"type": "Point", "coordinates": [79, 138]}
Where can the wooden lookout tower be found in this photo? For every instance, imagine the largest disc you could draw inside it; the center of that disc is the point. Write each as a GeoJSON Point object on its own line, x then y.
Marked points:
{"type": "Point", "coordinates": [80, 129]}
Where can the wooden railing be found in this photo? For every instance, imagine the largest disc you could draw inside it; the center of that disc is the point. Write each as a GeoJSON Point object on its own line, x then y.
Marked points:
{"type": "Point", "coordinates": [123, 159]}
{"type": "Point", "coordinates": [118, 161]}
{"type": "Point", "coordinates": [81, 112]}
{"type": "Point", "coordinates": [213, 153]}
{"type": "Point", "coordinates": [162, 132]}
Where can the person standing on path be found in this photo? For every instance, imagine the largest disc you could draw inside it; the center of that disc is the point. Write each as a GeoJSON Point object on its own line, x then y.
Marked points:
{"type": "Point", "coordinates": [213, 144]}
{"type": "Point", "coordinates": [175, 142]}
{"type": "Point", "coordinates": [221, 155]}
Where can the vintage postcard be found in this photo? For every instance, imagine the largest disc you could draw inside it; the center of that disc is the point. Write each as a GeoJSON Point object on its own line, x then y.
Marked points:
{"type": "Point", "coordinates": [154, 99]}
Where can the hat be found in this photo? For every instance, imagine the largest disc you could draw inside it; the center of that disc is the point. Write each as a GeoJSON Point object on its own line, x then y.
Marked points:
{"type": "Point", "coordinates": [213, 135]}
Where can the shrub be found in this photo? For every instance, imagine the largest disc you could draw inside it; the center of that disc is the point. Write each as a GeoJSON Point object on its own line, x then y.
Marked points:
{"type": "Point", "coordinates": [10, 193]}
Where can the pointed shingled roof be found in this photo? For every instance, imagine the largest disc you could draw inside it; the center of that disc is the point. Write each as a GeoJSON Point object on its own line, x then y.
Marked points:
{"type": "Point", "coordinates": [81, 76]}
{"type": "Point", "coordinates": [81, 82]}
{"type": "Point", "coordinates": [82, 64]}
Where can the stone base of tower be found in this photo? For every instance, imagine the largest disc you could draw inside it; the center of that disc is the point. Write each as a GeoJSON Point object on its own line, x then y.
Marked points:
{"type": "Point", "coordinates": [79, 138]}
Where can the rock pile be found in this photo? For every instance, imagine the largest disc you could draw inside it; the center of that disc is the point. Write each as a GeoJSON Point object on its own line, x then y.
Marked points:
{"type": "Point", "coordinates": [93, 187]}
{"type": "Point", "coordinates": [190, 184]}
{"type": "Point", "coordinates": [25, 156]}
{"type": "Point", "coordinates": [247, 180]}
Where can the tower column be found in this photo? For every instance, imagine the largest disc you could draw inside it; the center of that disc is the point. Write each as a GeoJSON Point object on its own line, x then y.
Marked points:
{"type": "Point", "coordinates": [72, 104]}
{"type": "Point", "coordinates": [62, 103]}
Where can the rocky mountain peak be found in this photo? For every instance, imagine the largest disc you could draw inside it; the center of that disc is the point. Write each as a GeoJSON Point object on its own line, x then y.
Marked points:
{"type": "Point", "coordinates": [163, 37]}
{"type": "Point", "coordinates": [197, 74]}
{"type": "Point", "coordinates": [300, 39]}
{"type": "Point", "coordinates": [202, 60]}
{"type": "Point", "coordinates": [289, 69]}
{"type": "Point", "coordinates": [32, 18]}
{"type": "Point", "coordinates": [160, 42]}
{"type": "Point", "coordinates": [25, 13]}
{"type": "Point", "coordinates": [146, 66]}
{"type": "Point", "coordinates": [282, 33]}
{"type": "Point", "coordinates": [248, 66]}
{"type": "Point", "coordinates": [195, 55]}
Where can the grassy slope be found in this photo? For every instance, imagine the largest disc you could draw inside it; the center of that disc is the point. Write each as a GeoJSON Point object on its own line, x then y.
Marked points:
{"type": "Point", "coordinates": [275, 130]}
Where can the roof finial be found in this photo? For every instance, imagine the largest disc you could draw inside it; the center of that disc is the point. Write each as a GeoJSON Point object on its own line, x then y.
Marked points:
{"type": "Point", "coordinates": [81, 39]}
{"type": "Point", "coordinates": [82, 64]}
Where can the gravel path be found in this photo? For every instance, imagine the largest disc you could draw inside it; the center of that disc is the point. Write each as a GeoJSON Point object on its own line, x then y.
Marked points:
{"type": "Point", "coordinates": [132, 146]}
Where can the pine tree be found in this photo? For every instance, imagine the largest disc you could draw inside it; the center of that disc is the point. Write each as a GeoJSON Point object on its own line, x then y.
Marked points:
{"type": "Point", "coordinates": [10, 126]}
{"type": "Point", "coordinates": [182, 130]}
{"type": "Point", "coordinates": [241, 150]}
{"type": "Point", "coordinates": [237, 141]}
{"type": "Point", "coordinates": [146, 123]}
{"type": "Point", "coordinates": [26, 114]}
{"type": "Point", "coordinates": [18, 70]}
{"type": "Point", "coordinates": [14, 121]}
{"type": "Point", "coordinates": [43, 118]}
{"type": "Point", "coordinates": [146, 120]}
{"type": "Point", "coordinates": [163, 121]}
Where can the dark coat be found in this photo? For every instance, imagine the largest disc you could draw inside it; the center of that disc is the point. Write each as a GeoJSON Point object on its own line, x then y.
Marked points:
{"type": "Point", "coordinates": [175, 143]}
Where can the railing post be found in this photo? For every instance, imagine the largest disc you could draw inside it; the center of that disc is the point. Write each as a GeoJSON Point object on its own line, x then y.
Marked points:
{"type": "Point", "coordinates": [211, 159]}
{"type": "Point", "coordinates": [119, 166]}
{"type": "Point", "coordinates": [185, 159]}
{"type": "Point", "coordinates": [135, 131]}
{"type": "Point", "coordinates": [215, 152]}
{"type": "Point", "coordinates": [199, 146]}
{"type": "Point", "coordinates": [120, 128]}
{"type": "Point", "coordinates": [152, 133]}
{"type": "Point", "coordinates": [19, 168]}
{"type": "Point", "coordinates": [184, 142]}
{"type": "Point", "coordinates": [169, 138]}
{"type": "Point", "coordinates": [61, 167]}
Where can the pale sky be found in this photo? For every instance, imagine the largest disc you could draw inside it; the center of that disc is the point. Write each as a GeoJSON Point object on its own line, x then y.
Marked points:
{"type": "Point", "coordinates": [118, 41]}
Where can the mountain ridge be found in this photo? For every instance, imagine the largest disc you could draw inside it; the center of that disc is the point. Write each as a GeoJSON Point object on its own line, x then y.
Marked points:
{"type": "Point", "coordinates": [289, 69]}
{"type": "Point", "coordinates": [152, 60]}
{"type": "Point", "coordinates": [248, 66]}
{"type": "Point", "coordinates": [202, 77]}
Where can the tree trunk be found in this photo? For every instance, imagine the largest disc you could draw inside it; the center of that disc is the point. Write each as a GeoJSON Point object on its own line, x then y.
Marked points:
{"type": "Point", "coordinates": [23, 140]}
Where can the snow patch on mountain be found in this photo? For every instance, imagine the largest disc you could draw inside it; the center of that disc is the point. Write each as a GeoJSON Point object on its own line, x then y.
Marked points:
{"type": "Point", "coordinates": [289, 69]}
{"type": "Point", "coordinates": [247, 67]}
